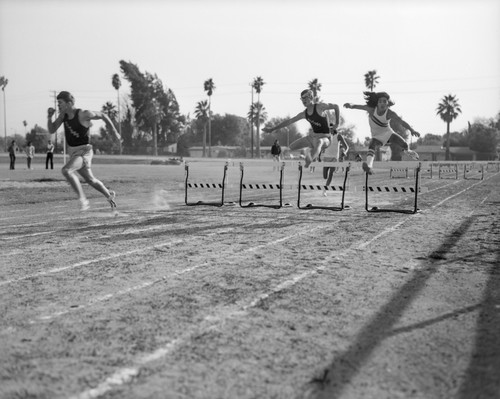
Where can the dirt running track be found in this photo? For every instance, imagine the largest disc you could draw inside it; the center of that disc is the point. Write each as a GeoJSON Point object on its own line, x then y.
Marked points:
{"type": "Point", "coordinates": [164, 300]}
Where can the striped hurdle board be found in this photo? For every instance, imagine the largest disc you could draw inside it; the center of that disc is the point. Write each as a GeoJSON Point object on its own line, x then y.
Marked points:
{"type": "Point", "coordinates": [447, 168]}
{"type": "Point", "coordinates": [393, 173]}
{"type": "Point", "coordinates": [402, 190]}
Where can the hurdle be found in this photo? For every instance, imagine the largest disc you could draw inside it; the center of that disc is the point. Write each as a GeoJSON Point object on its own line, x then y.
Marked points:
{"type": "Point", "coordinates": [428, 167]}
{"type": "Point", "coordinates": [448, 168]}
{"type": "Point", "coordinates": [495, 165]}
{"type": "Point", "coordinates": [471, 168]}
{"type": "Point", "coordinates": [414, 190]}
{"type": "Point", "coordinates": [393, 170]}
{"type": "Point", "coordinates": [327, 188]}
{"type": "Point", "coordinates": [259, 186]}
{"type": "Point", "coordinates": [222, 186]}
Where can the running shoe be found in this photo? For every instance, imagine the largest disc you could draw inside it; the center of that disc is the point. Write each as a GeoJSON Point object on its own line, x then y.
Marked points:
{"type": "Point", "coordinates": [84, 205]}
{"type": "Point", "coordinates": [367, 169]}
{"type": "Point", "coordinates": [111, 199]}
{"type": "Point", "coordinates": [413, 155]}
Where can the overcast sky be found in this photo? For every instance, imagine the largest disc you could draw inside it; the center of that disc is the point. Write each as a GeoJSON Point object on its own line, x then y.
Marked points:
{"type": "Point", "coordinates": [421, 49]}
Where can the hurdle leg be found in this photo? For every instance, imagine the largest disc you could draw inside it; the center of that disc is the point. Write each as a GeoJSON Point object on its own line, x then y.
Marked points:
{"type": "Point", "coordinates": [186, 185]}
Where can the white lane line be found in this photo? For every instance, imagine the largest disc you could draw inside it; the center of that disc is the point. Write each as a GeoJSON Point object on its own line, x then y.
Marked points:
{"type": "Point", "coordinates": [132, 252]}
{"type": "Point", "coordinates": [147, 284]}
{"type": "Point", "coordinates": [110, 224]}
{"type": "Point", "coordinates": [125, 375]}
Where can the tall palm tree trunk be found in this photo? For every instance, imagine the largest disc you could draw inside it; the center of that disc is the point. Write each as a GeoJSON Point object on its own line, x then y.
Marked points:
{"type": "Point", "coordinates": [204, 140]}
{"type": "Point", "coordinates": [251, 130]}
{"type": "Point", "coordinates": [209, 128]}
{"type": "Point", "coordinates": [447, 154]}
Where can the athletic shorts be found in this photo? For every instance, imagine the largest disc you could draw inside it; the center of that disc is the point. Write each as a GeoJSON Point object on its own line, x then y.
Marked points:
{"type": "Point", "coordinates": [79, 157]}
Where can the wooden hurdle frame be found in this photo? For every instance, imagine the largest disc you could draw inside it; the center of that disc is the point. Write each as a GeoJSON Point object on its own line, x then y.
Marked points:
{"type": "Point", "coordinates": [414, 190]}
{"type": "Point", "coordinates": [222, 186]}
{"type": "Point", "coordinates": [398, 170]}
{"type": "Point", "coordinates": [333, 188]}
{"type": "Point", "coordinates": [470, 167]}
{"type": "Point", "coordinates": [448, 165]}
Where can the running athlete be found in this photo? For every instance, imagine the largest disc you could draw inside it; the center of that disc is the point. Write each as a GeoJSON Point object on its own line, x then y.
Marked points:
{"type": "Point", "coordinates": [379, 116]}
{"type": "Point", "coordinates": [76, 130]}
{"type": "Point", "coordinates": [315, 115]}
{"type": "Point", "coordinates": [336, 151]}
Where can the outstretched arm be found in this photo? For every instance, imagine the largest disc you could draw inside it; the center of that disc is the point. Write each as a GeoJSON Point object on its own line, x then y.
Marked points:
{"type": "Point", "coordinates": [95, 115]}
{"type": "Point", "coordinates": [284, 123]}
{"type": "Point", "coordinates": [356, 106]}
{"type": "Point", "coordinates": [392, 115]}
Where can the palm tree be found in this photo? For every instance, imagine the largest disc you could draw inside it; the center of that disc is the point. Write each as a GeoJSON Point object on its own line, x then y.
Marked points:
{"type": "Point", "coordinates": [315, 87]}
{"type": "Point", "coordinates": [201, 112]}
{"type": "Point", "coordinates": [257, 114]}
{"type": "Point", "coordinates": [371, 79]}
{"type": "Point", "coordinates": [257, 84]}
{"type": "Point", "coordinates": [25, 124]}
{"type": "Point", "coordinates": [209, 87]}
{"type": "Point", "coordinates": [110, 110]}
{"type": "Point", "coordinates": [448, 110]}
{"type": "Point", "coordinates": [116, 82]}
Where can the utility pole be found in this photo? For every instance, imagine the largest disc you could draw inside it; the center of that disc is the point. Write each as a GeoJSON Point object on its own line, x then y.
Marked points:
{"type": "Point", "coordinates": [251, 122]}
{"type": "Point", "coordinates": [3, 83]}
{"type": "Point", "coordinates": [55, 107]}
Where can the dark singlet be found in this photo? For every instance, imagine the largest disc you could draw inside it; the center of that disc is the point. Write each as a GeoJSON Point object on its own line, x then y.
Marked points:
{"type": "Point", "coordinates": [76, 134]}
{"type": "Point", "coordinates": [318, 123]}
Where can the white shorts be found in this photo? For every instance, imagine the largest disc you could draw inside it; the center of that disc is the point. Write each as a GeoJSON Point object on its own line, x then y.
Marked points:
{"type": "Point", "coordinates": [79, 157]}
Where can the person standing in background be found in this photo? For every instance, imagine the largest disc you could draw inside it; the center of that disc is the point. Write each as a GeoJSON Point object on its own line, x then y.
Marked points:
{"type": "Point", "coordinates": [276, 153]}
{"type": "Point", "coordinates": [12, 154]}
{"type": "Point", "coordinates": [30, 153]}
{"type": "Point", "coordinates": [50, 155]}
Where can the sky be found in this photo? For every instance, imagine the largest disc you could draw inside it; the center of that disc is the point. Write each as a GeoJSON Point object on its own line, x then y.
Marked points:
{"type": "Point", "coordinates": [421, 49]}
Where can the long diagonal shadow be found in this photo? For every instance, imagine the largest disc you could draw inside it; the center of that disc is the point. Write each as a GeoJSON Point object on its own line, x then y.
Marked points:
{"type": "Point", "coordinates": [483, 373]}
{"type": "Point", "coordinates": [344, 367]}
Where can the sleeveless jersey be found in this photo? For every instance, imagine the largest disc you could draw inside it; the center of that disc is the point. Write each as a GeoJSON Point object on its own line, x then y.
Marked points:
{"type": "Point", "coordinates": [76, 134]}
{"type": "Point", "coordinates": [318, 123]}
{"type": "Point", "coordinates": [379, 126]}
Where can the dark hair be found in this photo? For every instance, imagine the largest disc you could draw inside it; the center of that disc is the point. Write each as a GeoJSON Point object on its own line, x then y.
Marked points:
{"type": "Point", "coordinates": [308, 92]}
{"type": "Point", "coordinates": [372, 98]}
{"type": "Point", "coordinates": [66, 96]}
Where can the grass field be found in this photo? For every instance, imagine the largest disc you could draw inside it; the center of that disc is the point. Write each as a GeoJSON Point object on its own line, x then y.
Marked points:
{"type": "Point", "coordinates": [164, 300]}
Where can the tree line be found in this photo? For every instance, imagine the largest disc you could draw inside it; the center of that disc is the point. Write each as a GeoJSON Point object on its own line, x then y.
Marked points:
{"type": "Point", "coordinates": [149, 121]}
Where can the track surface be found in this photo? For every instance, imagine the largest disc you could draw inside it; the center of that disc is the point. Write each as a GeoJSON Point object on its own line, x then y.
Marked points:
{"type": "Point", "coordinates": [164, 300]}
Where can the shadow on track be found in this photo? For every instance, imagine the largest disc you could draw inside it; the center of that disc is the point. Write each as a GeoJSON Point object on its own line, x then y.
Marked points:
{"type": "Point", "coordinates": [345, 366]}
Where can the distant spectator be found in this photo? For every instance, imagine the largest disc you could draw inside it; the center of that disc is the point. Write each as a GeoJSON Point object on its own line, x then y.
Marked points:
{"type": "Point", "coordinates": [276, 153]}
{"type": "Point", "coordinates": [30, 153]}
{"type": "Point", "coordinates": [50, 155]}
{"type": "Point", "coordinates": [13, 148]}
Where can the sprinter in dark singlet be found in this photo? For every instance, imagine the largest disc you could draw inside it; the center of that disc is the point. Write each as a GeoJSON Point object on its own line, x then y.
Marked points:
{"type": "Point", "coordinates": [315, 115]}
{"type": "Point", "coordinates": [76, 132]}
